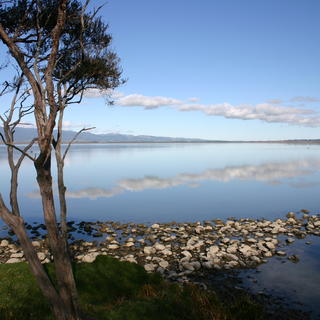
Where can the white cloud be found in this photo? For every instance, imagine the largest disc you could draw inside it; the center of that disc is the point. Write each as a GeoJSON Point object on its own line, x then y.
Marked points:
{"type": "Point", "coordinates": [193, 99]}
{"type": "Point", "coordinates": [139, 100]}
{"type": "Point", "coordinates": [96, 93]}
{"type": "Point", "coordinates": [267, 112]}
{"type": "Point", "coordinates": [69, 125]}
{"type": "Point", "coordinates": [26, 125]}
{"type": "Point", "coordinates": [264, 112]}
{"type": "Point", "coordinates": [304, 99]}
{"type": "Point", "coordinates": [275, 101]}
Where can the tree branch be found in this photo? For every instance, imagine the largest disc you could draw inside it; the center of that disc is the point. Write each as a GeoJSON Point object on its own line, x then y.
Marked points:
{"type": "Point", "coordinates": [17, 148]}
{"type": "Point", "coordinates": [73, 140]}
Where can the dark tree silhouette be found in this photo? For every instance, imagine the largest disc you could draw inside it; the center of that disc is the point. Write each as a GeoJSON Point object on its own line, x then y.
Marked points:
{"type": "Point", "coordinates": [60, 50]}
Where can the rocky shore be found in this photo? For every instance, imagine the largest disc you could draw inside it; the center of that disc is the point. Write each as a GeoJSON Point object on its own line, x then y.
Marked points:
{"type": "Point", "coordinates": [177, 250]}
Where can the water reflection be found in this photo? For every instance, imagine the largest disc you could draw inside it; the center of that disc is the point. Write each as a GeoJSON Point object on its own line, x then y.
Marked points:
{"type": "Point", "coordinates": [270, 173]}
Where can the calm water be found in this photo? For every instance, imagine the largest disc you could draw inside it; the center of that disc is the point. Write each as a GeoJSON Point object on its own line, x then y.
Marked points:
{"type": "Point", "coordinates": [182, 182]}
{"type": "Point", "coordinates": [192, 182]}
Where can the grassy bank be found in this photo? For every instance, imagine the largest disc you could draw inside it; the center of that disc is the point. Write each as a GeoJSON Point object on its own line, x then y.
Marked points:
{"type": "Point", "coordinates": [114, 290]}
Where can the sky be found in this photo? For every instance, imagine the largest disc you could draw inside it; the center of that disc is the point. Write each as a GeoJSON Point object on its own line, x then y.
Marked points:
{"type": "Point", "coordinates": [225, 70]}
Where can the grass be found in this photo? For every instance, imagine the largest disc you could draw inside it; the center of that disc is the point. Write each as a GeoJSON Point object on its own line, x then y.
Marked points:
{"type": "Point", "coordinates": [114, 290]}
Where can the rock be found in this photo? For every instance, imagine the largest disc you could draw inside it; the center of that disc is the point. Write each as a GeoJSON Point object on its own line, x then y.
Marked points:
{"type": "Point", "coordinates": [294, 258]}
{"type": "Point", "coordinates": [317, 223]}
{"type": "Point", "coordinates": [159, 246]}
{"type": "Point", "coordinates": [289, 240]}
{"type": "Point", "coordinates": [149, 250]}
{"type": "Point", "coordinates": [13, 260]}
{"type": "Point", "coordinates": [270, 245]}
{"type": "Point", "coordinates": [90, 257]}
{"type": "Point", "coordinates": [4, 243]}
{"type": "Point", "coordinates": [150, 267]}
{"type": "Point", "coordinates": [291, 215]}
{"type": "Point", "coordinates": [36, 243]}
{"type": "Point", "coordinates": [113, 246]}
{"type": "Point", "coordinates": [155, 226]}
{"type": "Point", "coordinates": [187, 254]}
{"type": "Point", "coordinates": [281, 253]}
{"type": "Point", "coordinates": [129, 244]}
{"type": "Point", "coordinates": [17, 255]}
{"type": "Point", "coordinates": [188, 266]}
{"type": "Point", "coordinates": [164, 264]}
{"type": "Point", "coordinates": [166, 252]}
{"type": "Point", "coordinates": [41, 256]}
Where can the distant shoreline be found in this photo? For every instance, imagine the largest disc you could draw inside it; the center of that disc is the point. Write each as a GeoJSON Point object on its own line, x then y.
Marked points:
{"type": "Point", "coordinates": [302, 141]}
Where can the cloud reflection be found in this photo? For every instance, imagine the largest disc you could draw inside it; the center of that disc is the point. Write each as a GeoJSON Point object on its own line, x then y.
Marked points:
{"type": "Point", "coordinates": [270, 173]}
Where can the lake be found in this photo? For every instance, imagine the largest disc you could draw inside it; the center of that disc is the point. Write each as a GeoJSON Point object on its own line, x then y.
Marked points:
{"type": "Point", "coordinates": [181, 182]}
{"type": "Point", "coordinates": [193, 182]}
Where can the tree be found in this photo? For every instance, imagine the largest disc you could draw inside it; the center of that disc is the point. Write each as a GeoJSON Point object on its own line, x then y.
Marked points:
{"type": "Point", "coordinates": [60, 51]}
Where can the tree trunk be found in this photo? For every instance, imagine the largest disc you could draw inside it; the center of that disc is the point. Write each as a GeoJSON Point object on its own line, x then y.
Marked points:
{"type": "Point", "coordinates": [42, 279]}
{"type": "Point", "coordinates": [58, 242]}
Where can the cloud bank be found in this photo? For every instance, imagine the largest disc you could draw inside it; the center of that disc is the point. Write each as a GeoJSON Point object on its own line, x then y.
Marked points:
{"type": "Point", "coordinates": [270, 112]}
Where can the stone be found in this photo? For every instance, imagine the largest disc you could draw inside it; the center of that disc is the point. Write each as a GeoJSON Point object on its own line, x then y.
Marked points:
{"type": "Point", "coordinates": [289, 240]}
{"type": "Point", "coordinates": [159, 246]}
{"type": "Point", "coordinates": [41, 256]}
{"type": "Point", "coordinates": [155, 226]}
{"type": "Point", "coordinates": [36, 243]}
{"type": "Point", "coordinates": [129, 244]}
{"type": "Point", "coordinates": [291, 215]}
{"type": "Point", "coordinates": [270, 245]}
{"type": "Point", "coordinates": [90, 257]}
{"type": "Point", "coordinates": [150, 267]}
{"type": "Point", "coordinates": [164, 264]}
{"type": "Point", "coordinates": [17, 255]}
{"type": "Point", "coordinates": [149, 250]}
{"type": "Point", "coordinates": [187, 254]}
{"type": "Point", "coordinates": [4, 243]}
{"type": "Point", "coordinates": [281, 253]}
{"type": "Point", "coordinates": [13, 260]}
{"type": "Point", "coordinates": [113, 246]}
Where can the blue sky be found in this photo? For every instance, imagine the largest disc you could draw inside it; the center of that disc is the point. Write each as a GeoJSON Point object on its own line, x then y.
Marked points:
{"type": "Point", "coordinates": [251, 66]}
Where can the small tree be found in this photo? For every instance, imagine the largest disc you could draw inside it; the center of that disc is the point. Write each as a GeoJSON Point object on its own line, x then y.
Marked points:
{"type": "Point", "coordinates": [60, 51]}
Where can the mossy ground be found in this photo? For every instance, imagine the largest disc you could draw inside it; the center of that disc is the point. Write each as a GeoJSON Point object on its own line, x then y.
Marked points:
{"type": "Point", "coordinates": [114, 290]}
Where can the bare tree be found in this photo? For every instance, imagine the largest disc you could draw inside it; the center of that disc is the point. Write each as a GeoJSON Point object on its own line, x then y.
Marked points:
{"type": "Point", "coordinates": [61, 51]}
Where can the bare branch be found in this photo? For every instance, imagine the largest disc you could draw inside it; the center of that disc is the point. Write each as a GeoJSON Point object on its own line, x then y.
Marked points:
{"type": "Point", "coordinates": [73, 140]}
{"type": "Point", "coordinates": [17, 148]}
{"type": "Point", "coordinates": [25, 152]}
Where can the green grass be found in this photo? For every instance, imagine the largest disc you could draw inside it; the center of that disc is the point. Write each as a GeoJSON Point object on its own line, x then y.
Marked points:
{"type": "Point", "coordinates": [114, 290]}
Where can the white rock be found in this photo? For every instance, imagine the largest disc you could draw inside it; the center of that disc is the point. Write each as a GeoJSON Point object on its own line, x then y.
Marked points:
{"type": "Point", "coordinates": [13, 260]}
{"type": "Point", "coordinates": [17, 255]}
{"type": "Point", "coordinates": [149, 250]}
{"type": "Point", "coordinates": [166, 252]}
{"type": "Point", "coordinates": [159, 246]}
{"type": "Point", "coordinates": [90, 257]}
{"type": "Point", "coordinates": [129, 244]}
{"type": "Point", "coordinates": [164, 264]}
{"type": "Point", "coordinates": [113, 246]}
{"type": "Point", "coordinates": [317, 223]}
{"type": "Point", "coordinates": [4, 243]}
{"type": "Point", "coordinates": [270, 245]}
{"type": "Point", "coordinates": [36, 243]}
{"type": "Point", "coordinates": [187, 254]}
{"type": "Point", "coordinates": [155, 226]}
{"type": "Point", "coordinates": [149, 267]}
{"type": "Point", "coordinates": [41, 256]}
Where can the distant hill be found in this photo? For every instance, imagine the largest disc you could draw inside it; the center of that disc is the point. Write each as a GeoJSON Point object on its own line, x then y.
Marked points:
{"type": "Point", "coordinates": [27, 134]}
{"type": "Point", "coordinates": [23, 135]}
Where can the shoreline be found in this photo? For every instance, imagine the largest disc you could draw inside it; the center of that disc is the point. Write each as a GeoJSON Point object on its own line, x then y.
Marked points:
{"type": "Point", "coordinates": [177, 250]}
{"type": "Point", "coordinates": [195, 252]}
